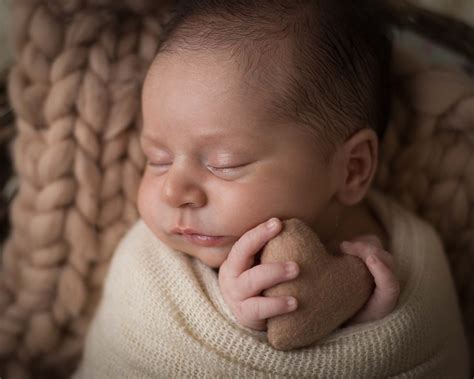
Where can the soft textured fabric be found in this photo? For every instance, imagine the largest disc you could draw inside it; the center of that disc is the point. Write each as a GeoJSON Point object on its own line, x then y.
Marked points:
{"type": "Point", "coordinates": [162, 315]}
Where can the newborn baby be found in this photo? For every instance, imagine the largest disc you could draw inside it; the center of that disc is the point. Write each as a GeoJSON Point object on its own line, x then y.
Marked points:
{"type": "Point", "coordinates": [240, 133]}
{"type": "Point", "coordinates": [256, 112]}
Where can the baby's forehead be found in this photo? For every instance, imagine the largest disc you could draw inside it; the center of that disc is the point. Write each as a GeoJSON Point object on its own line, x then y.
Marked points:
{"type": "Point", "coordinates": [252, 69]}
{"type": "Point", "coordinates": [199, 77]}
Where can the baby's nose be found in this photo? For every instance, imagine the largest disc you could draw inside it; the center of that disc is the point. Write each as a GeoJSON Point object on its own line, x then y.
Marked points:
{"type": "Point", "coordinates": [181, 190]}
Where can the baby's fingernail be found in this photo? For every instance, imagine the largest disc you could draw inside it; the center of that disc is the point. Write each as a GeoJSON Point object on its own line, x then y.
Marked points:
{"type": "Point", "coordinates": [372, 260]}
{"type": "Point", "coordinates": [291, 303]}
{"type": "Point", "coordinates": [272, 223]}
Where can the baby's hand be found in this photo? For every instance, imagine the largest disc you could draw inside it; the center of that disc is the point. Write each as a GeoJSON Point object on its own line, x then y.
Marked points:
{"type": "Point", "coordinates": [240, 283]}
{"type": "Point", "coordinates": [387, 288]}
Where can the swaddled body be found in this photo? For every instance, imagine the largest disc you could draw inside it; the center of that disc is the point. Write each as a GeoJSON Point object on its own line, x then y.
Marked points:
{"type": "Point", "coordinates": [151, 324]}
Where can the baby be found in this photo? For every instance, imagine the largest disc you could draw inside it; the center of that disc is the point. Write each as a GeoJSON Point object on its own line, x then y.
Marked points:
{"type": "Point", "coordinates": [255, 112]}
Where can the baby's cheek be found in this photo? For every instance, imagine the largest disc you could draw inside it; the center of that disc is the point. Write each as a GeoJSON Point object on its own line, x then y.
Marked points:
{"type": "Point", "coordinates": [144, 198]}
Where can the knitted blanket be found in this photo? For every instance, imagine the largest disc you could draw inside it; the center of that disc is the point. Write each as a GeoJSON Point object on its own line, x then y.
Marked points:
{"type": "Point", "coordinates": [162, 315]}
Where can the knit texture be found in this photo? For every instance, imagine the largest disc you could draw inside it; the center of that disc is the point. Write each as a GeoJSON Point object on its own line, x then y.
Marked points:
{"type": "Point", "coordinates": [162, 315]}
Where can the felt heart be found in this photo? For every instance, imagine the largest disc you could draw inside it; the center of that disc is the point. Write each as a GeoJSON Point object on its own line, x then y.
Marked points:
{"type": "Point", "coordinates": [330, 287]}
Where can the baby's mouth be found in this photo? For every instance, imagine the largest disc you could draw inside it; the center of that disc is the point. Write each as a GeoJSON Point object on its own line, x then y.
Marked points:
{"type": "Point", "coordinates": [203, 240]}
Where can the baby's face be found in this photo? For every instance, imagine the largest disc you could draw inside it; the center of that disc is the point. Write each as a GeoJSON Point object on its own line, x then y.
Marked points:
{"type": "Point", "coordinates": [216, 165]}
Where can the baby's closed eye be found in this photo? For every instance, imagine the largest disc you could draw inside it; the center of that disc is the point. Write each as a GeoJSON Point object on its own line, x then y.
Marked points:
{"type": "Point", "coordinates": [226, 169]}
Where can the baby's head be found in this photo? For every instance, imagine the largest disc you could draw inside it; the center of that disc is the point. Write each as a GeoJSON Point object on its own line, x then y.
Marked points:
{"type": "Point", "coordinates": [260, 109]}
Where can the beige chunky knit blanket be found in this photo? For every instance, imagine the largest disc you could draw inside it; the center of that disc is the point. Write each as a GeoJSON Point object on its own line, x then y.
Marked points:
{"type": "Point", "coordinates": [162, 315]}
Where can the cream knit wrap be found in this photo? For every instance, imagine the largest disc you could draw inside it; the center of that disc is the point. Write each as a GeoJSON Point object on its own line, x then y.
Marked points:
{"type": "Point", "coordinates": [162, 315]}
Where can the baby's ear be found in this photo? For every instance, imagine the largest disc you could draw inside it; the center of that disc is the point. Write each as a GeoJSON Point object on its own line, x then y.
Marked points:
{"type": "Point", "coordinates": [360, 158]}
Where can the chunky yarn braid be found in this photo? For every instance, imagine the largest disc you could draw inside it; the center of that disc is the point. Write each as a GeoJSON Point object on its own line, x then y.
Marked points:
{"type": "Point", "coordinates": [75, 90]}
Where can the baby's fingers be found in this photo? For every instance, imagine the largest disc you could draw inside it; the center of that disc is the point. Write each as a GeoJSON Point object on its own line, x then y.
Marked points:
{"type": "Point", "coordinates": [263, 276]}
{"type": "Point", "coordinates": [387, 288]}
{"type": "Point", "coordinates": [243, 252]}
{"type": "Point", "coordinates": [385, 296]}
{"type": "Point", "coordinates": [255, 309]}
{"type": "Point", "coordinates": [364, 248]}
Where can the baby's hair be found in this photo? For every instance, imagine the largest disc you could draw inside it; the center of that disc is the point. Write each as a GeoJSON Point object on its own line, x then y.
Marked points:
{"type": "Point", "coordinates": [326, 63]}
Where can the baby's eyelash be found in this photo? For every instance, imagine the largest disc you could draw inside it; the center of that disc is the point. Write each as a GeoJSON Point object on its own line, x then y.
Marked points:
{"type": "Point", "coordinates": [220, 169]}
{"type": "Point", "coordinates": [149, 163]}
{"type": "Point", "coordinates": [224, 169]}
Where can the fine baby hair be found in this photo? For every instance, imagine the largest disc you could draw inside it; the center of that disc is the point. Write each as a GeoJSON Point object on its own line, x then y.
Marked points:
{"type": "Point", "coordinates": [324, 62]}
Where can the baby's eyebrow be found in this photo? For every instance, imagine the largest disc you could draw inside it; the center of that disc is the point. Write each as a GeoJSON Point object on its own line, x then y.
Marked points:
{"type": "Point", "coordinates": [206, 138]}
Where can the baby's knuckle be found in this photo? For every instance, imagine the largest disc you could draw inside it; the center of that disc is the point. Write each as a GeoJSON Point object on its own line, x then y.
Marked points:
{"type": "Point", "coordinates": [239, 311]}
{"type": "Point", "coordinates": [385, 254]}
{"type": "Point", "coordinates": [239, 247]}
{"type": "Point", "coordinates": [375, 240]}
{"type": "Point", "coordinates": [273, 270]}
{"type": "Point", "coordinates": [247, 280]}
{"type": "Point", "coordinates": [358, 245]}
{"type": "Point", "coordinates": [371, 249]}
{"type": "Point", "coordinates": [231, 293]}
{"type": "Point", "coordinates": [372, 239]}
{"type": "Point", "coordinates": [255, 310]}
{"type": "Point", "coordinates": [228, 287]}
{"type": "Point", "coordinates": [245, 243]}
{"type": "Point", "coordinates": [363, 246]}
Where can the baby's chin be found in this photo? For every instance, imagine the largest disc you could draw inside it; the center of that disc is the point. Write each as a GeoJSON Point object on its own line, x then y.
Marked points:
{"type": "Point", "coordinates": [210, 256]}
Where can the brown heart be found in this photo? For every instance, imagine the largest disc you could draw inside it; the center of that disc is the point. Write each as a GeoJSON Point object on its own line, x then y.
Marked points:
{"type": "Point", "coordinates": [330, 288]}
